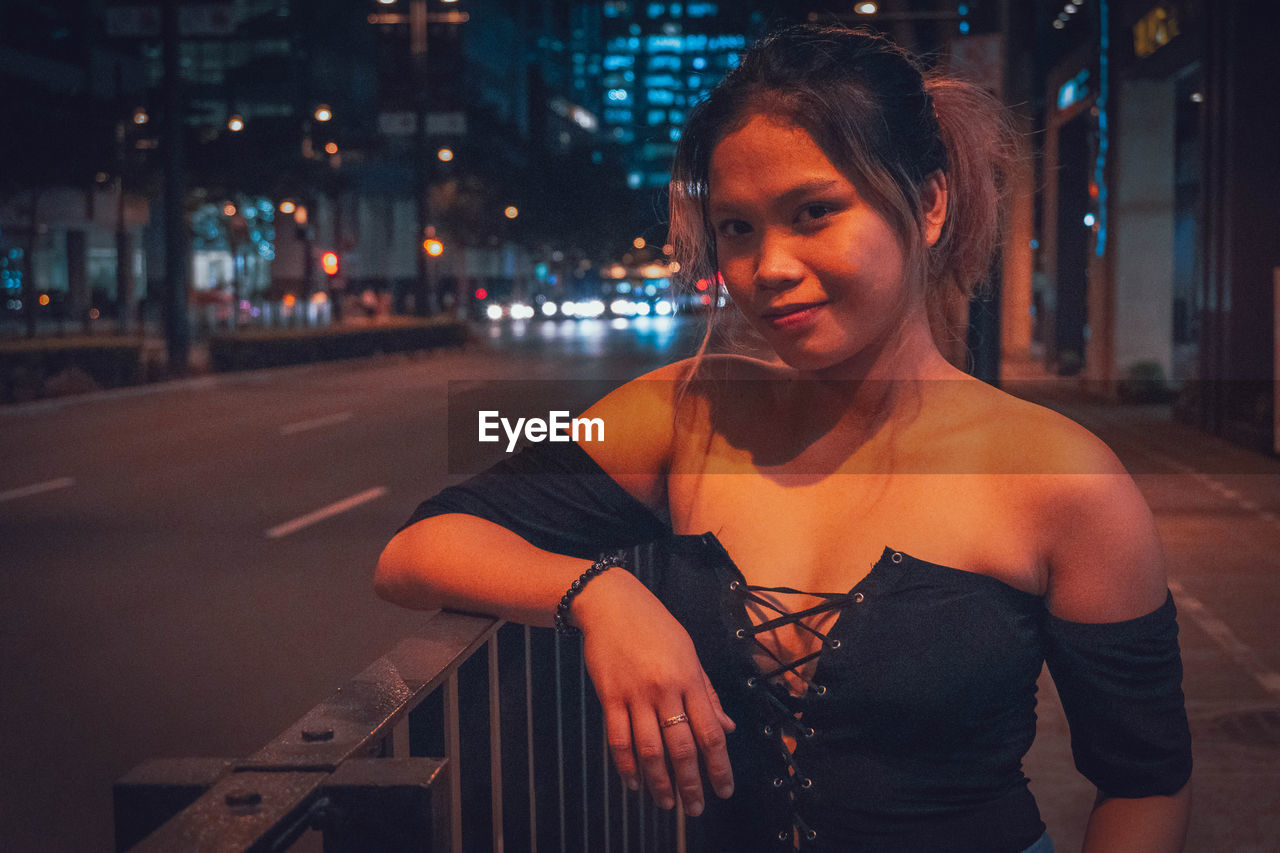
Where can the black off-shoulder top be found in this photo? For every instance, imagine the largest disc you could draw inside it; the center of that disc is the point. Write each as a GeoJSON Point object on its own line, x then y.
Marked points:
{"type": "Point", "coordinates": [912, 729]}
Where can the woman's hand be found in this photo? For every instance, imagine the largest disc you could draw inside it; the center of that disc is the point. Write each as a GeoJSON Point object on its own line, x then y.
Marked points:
{"type": "Point", "coordinates": [645, 671]}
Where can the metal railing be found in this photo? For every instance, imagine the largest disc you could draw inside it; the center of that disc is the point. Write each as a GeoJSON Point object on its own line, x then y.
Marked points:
{"type": "Point", "coordinates": [432, 747]}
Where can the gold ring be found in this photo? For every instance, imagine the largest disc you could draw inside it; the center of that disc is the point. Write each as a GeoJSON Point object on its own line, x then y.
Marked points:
{"type": "Point", "coordinates": [675, 721]}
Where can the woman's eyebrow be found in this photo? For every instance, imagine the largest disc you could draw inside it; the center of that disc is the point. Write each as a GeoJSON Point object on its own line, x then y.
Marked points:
{"type": "Point", "coordinates": [817, 185]}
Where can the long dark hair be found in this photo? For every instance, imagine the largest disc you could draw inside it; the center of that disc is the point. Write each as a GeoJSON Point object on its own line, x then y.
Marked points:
{"type": "Point", "coordinates": [885, 124]}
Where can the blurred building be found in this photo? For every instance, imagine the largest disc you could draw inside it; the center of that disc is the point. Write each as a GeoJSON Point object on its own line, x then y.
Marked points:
{"type": "Point", "coordinates": [1158, 237]}
{"type": "Point", "coordinates": [645, 64]}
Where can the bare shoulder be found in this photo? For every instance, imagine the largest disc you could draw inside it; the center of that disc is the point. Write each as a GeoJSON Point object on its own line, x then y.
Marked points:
{"type": "Point", "coordinates": [639, 432]}
{"type": "Point", "coordinates": [1096, 534]}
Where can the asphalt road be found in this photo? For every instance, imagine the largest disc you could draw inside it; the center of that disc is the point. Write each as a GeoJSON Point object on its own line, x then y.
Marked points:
{"type": "Point", "coordinates": [185, 569]}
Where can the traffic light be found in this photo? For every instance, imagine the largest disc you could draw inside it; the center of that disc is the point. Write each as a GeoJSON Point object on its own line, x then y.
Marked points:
{"type": "Point", "coordinates": [329, 263]}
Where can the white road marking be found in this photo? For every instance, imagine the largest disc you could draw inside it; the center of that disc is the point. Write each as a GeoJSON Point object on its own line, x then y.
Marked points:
{"type": "Point", "coordinates": [326, 512]}
{"type": "Point", "coordinates": [314, 423]}
{"type": "Point", "coordinates": [24, 491]}
{"type": "Point", "coordinates": [1217, 629]}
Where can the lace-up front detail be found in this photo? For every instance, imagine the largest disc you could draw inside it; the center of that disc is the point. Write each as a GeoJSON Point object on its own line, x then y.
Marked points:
{"type": "Point", "coordinates": [785, 727]}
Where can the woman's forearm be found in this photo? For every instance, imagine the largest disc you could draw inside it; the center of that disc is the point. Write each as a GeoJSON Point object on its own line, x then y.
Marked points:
{"type": "Point", "coordinates": [1145, 825]}
{"type": "Point", "coordinates": [466, 563]}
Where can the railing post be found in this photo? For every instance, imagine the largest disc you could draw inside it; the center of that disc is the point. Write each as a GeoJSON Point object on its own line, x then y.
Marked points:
{"type": "Point", "coordinates": [453, 754]}
{"type": "Point", "coordinates": [383, 804]}
{"type": "Point", "coordinates": [495, 747]}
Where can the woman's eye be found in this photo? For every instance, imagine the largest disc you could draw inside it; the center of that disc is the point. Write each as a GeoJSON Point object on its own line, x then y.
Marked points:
{"type": "Point", "coordinates": [733, 228]}
{"type": "Point", "coordinates": [814, 211]}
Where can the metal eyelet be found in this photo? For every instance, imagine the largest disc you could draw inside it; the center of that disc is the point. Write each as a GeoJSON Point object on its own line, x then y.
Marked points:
{"type": "Point", "coordinates": [741, 633]}
{"type": "Point", "coordinates": [735, 585]}
{"type": "Point", "coordinates": [833, 644]}
{"type": "Point", "coordinates": [858, 598]}
{"type": "Point", "coordinates": [751, 681]}
{"type": "Point", "coordinates": [820, 689]}
{"type": "Point", "coordinates": [806, 784]}
{"type": "Point", "coordinates": [777, 782]}
{"type": "Point", "coordinates": [784, 835]}
{"type": "Point", "coordinates": [897, 557]}
{"type": "Point", "coordinates": [768, 730]}
{"type": "Point", "coordinates": [811, 835]}
{"type": "Point", "coordinates": [810, 732]}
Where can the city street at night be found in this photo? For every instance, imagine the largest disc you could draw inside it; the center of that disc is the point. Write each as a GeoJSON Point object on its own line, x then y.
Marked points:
{"type": "Point", "coordinates": [161, 596]}
{"type": "Point", "coordinates": [274, 273]}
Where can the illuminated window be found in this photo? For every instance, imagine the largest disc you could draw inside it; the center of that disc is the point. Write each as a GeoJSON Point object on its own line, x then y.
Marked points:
{"type": "Point", "coordinates": [675, 134]}
{"type": "Point", "coordinates": [617, 94]}
{"type": "Point", "coordinates": [657, 10]}
{"type": "Point", "coordinates": [659, 44]}
{"type": "Point", "coordinates": [695, 43]}
{"type": "Point", "coordinates": [614, 116]}
{"type": "Point", "coordinates": [699, 63]}
{"type": "Point", "coordinates": [661, 80]}
{"type": "Point", "coordinates": [613, 62]}
{"type": "Point", "coordinates": [662, 97]}
{"type": "Point", "coordinates": [695, 81]}
{"type": "Point", "coordinates": [676, 10]}
{"type": "Point", "coordinates": [701, 10]}
{"type": "Point", "coordinates": [617, 8]}
{"type": "Point", "coordinates": [657, 179]}
{"type": "Point", "coordinates": [634, 180]}
{"type": "Point", "coordinates": [657, 116]}
{"type": "Point", "coordinates": [663, 62]}
{"type": "Point", "coordinates": [677, 116]}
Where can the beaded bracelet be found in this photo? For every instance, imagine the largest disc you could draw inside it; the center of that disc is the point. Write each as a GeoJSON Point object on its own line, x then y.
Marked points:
{"type": "Point", "coordinates": [608, 561]}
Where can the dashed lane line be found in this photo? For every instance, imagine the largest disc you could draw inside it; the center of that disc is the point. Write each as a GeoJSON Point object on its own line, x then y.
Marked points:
{"type": "Point", "coordinates": [1221, 634]}
{"type": "Point", "coordinates": [37, 488]}
{"type": "Point", "coordinates": [315, 423]}
{"type": "Point", "coordinates": [325, 512]}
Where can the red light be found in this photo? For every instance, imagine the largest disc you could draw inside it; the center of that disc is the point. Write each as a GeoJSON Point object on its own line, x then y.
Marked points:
{"type": "Point", "coordinates": [706, 299]}
{"type": "Point", "coordinates": [702, 284]}
{"type": "Point", "coordinates": [329, 263]}
{"type": "Point", "coordinates": [481, 293]}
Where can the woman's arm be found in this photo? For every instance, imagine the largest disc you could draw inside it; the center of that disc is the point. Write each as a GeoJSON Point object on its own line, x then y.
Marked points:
{"type": "Point", "coordinates": [1105, 566]}
{"type": "Point", "coordinates": [641, 660]}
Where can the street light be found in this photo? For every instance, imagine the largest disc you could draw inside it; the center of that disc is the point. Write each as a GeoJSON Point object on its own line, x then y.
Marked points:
{"type": "Point", "coordinates": [235, 124]}
{"type": "Point", "coordinates": [866, 8]}
{"type": "Point", "coordinates": [445, 154]}
{"type": "Point", "coordinates": [511, 212]}
{"type": "Point", "coordinates": [323, 113]}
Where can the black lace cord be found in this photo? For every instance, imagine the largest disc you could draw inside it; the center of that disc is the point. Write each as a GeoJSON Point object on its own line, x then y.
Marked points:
{"type": "Point", "coordinates": [834, 601]}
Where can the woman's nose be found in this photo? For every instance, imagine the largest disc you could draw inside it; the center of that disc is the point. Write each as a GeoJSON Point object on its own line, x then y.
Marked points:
{"type": "Point", "coordinates": [777, 266]}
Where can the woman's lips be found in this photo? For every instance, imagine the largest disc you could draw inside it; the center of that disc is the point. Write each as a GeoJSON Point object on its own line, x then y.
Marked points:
{"type": "Point", "coordinates": [792, 317]}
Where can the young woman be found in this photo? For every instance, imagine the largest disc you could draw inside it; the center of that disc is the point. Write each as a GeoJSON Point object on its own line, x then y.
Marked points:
{"type": "Point", "coordinates": [865, 555]}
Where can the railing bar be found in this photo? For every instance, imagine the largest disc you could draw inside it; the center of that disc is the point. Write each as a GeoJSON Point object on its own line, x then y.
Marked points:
{"type": "Point", "coordinates": [626, 821]}
{"type": "Point", "coordinates": [453, 753]}
{"type": "Point", "coordinates": [560, 743]}
{"type": "Point", "coordinates": [582, 719]}
{"type": "Point", "coordinates": [604, 780]}
{"type": "Point", "coordinates": [528, 726]}
{"type": "Point", "coordinates": [400, 738]}
{"type": "Point", "coordinates": [680, 844]}
{"type": "Point", "coordinates": [641, 816]}
{"type": "Point", "coordinates": [495, 746]}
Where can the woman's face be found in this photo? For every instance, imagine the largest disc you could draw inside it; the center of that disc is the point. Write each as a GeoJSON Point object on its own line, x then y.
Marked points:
{"type": "Point", "coordinates": [814, 267]}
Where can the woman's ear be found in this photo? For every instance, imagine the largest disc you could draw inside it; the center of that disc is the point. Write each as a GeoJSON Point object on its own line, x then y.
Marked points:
{"type": "Point", "coordinates": [933, 198]}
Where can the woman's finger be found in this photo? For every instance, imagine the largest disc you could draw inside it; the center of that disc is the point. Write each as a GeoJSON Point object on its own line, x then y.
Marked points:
{"type": "Point", "coordinates": [617, 724]}
{"type": "Point", "coordinates": [725, 721]}
{"type": "Point", "coordinates": [682, 750]}
{"type": "Point", "coordinates": [707, 729]}
{"type": "Point", "coordinates": [651, 751]}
